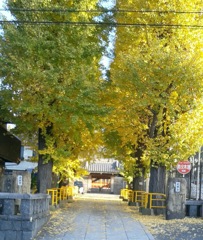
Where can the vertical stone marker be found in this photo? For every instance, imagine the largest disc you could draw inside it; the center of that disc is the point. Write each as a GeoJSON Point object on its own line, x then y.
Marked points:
{"type": "Point", "coordinates": [176, 198]}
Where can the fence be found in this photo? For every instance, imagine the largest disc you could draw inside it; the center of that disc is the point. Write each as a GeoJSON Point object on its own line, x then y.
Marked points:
{"type": "Point", "coordinates": [60, 194]}
{"type": "Point", "coordinates": [146, 200]}
{"type": "Point", "coordinates": [22, 215]}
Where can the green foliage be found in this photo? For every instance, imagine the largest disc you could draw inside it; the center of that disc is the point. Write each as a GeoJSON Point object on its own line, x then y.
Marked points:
{"type": "Point", "coordinates": [51, 76]}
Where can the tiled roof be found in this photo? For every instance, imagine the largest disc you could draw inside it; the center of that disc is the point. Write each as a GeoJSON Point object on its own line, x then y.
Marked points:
{"type": "Point", "coordinates": [103, 167]}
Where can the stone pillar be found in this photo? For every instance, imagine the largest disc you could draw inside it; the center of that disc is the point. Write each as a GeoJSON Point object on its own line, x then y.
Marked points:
{"type": "Point", "coordinates": [89, 183]}
{"type": "Point", "coordinates": [26, 208]}
{"type": "Point", "coordinates": [9, 207]}
{"type": "Point", "coordinates": [118, 185]}
{"type": "Point", "coordinates": [176, 198]}
{"type": "Point", "coordinates": [112, 184]}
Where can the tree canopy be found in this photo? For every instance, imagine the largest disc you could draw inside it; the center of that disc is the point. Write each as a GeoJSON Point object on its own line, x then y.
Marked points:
{"type": "Point", "coordinates": [157, 76]}
{"type": "Point", "coordinates": [51, 74]}
{"type": "Point", "coordinates": [52, 79]}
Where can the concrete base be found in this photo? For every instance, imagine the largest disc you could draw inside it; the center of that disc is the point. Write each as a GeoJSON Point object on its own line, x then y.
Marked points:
{"type": "Point", "coordinates": [133, 204]}
{"type": "Point", "coordinates": [194, 208]}
{"type": "Point", "coordinates": [146, 211]}
{"type": "Point", "coordinates": [70, 199]}
{"type": "Point", "coordinates": [53, 208]}
{"type": "Point", "coordinates": [63, 203]}
{"type": "Point", "coordinates": [172, 215]}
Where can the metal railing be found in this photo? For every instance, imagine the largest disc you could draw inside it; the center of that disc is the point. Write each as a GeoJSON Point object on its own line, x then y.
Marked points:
{"type": "Point", "coordinates": [153, 200]}
{"type": "Point", "coordinates": [54, 197]}
{"type": "Point", "coordinates": [124, 193]}
{"type": "Point", "coordinates": [60, 194]}
{"type": "Point", "coordinates": [146, 200]}
{"type": "Point", "coordinates": [158, 198]}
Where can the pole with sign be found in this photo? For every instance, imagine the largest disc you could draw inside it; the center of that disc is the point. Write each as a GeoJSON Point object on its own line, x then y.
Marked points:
{"type": "Point", "coordinates": [184, 167]}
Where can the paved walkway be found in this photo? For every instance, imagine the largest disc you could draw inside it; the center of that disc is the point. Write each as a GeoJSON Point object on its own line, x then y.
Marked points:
{"type": "Point", "coordinates": [93, 217]}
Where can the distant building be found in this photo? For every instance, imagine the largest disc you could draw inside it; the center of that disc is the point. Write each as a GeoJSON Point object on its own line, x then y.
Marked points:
{"type": "Point", "coordinates": [103, 177]}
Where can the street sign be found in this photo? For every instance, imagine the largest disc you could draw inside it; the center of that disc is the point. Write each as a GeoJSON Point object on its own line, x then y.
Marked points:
{"type": "Point", "coordinates": [184, 167]}
{"type": "Point", "coordinates": [20, 180]}
{"type": "Point", "coordinates": [177, 187]}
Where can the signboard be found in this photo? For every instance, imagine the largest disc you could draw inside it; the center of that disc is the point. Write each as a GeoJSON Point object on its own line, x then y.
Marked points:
{"type": "Point", "coordinates": [177, 187]}
{"type": "Point", "coordinates": [184, 167]}
{"type": "Point", "coordinates": [20, 180]}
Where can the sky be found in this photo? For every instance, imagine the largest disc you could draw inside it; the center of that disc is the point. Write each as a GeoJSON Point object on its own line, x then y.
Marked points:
{"type": "Point", "coordinates": [105, 3]}
{"type": "Point", "coordinates": [5, 13]}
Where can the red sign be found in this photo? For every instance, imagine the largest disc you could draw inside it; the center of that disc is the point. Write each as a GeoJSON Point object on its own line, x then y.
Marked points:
{"type": "Point", "coordinates": [184, 167]}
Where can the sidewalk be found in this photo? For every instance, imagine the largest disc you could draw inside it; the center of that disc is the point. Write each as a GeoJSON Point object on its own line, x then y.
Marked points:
{"type": "Point", "coordinates": [93, 217]}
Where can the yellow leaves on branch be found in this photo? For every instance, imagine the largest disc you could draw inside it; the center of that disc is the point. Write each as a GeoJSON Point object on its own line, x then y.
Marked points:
{"type": "Point", "coordinates": [158, 75]}
{"type": "Point", "coordinates": [173, 97]}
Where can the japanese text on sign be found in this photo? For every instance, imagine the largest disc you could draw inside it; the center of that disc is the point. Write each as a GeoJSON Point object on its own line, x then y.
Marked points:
{"type": "Point", "coordinates": [184, 167]}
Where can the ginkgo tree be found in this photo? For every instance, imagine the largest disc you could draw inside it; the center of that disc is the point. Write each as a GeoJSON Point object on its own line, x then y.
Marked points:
{"type": "Point", "coordinates": [158, 79]}
{"type": "Point", "coordinates": [51, 77]}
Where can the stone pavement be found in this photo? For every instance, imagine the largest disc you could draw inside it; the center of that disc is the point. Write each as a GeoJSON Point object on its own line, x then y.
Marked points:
{"type": "Point", "coordinates": [93, 217]}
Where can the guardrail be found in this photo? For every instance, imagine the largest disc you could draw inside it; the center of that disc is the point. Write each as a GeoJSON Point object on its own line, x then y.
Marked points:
{"type": "Point", "coordinates": [146, 200]}
{"type": "Point", "coordinates": [153, 200]}
{"type": "Point", "coordinates": [124, 194]}
{"type": "Point", "coordinates": [135, 196]}
{"type": "Point", "coordinates": [138, 196]}
{"type": "Point", "coordinates": [54, 197]}
{"type": "Point", "coordinates": [60, 194]}
{"type": "Point", "coordinates": [159, 198]}
{"type": "Point", "coordinates": [131, 195]}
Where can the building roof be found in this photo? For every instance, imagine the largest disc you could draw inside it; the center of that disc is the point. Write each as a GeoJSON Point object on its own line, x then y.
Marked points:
{"type": "Point", "coordinates": [22, 166]}
{"type": "Point", "coordinates": [107, 166]}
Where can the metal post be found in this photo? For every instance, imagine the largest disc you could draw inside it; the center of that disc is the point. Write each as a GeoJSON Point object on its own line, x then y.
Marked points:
{"type": "Point", "coordinates": [190, 182]}
{"type": "Point", "coordinates": [200, 185]}
{"type": "Point", "coordinates": [191, 176]}
{"type": "Point", "coordinates": [198, 174]}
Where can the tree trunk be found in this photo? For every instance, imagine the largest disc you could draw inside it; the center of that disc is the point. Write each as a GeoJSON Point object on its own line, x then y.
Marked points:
{"type": "Point", "coordinates": [138, 183]}
{"type": "Point", "coordinates": [157, 179]}
{"type": "Point", "coordinates": [44, 179]}
{"type": "Point", "coordinates": [157, 185]}
{"type": "Point", "coordinates": [138, 180]}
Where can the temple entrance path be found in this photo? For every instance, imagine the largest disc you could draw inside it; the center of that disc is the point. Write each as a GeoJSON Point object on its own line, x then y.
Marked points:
{"type": "Point", "coordinates": [94, 217]}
